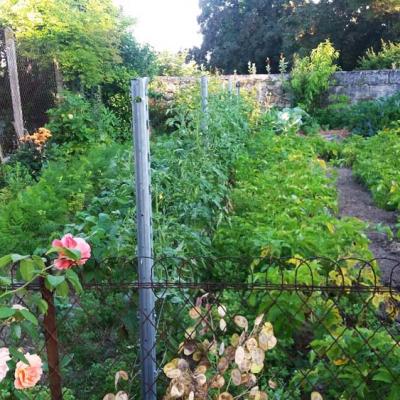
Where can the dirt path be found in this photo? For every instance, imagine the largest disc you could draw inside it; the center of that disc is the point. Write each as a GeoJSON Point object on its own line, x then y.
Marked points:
{"type": "Point", "coordinates": [356, 201]}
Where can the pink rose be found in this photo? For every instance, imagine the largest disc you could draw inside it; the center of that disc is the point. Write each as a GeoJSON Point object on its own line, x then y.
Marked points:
{"type": "Point", "coordinates": [71, 243]}
{"type": "Point", "coordinates": [27, 376]}
{"type": "Point", "coordinates": [4, 357]}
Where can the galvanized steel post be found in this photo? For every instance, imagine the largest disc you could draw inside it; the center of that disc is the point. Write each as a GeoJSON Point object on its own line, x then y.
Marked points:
{"type": "Point", "coordinates": [238, 88]}
{"type": "Point", "coordinates": [144, 238]}
{"type": "Point", "coordinates": [230, 84]}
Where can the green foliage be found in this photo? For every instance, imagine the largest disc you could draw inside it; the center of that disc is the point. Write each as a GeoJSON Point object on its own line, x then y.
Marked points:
{"type": "Point", "coordinates": [77, 121]}
{"type": "Point", "coordinates": [41, 210]}
{"type": "Point", "coordinates": [387, 58]}
{"type": "Point", "coordinates": [14, 177]}
{"type": "Point", "coordinates": [137, 57]}
{"type": "Point", "coordinates": [235, 32]}
{"type": "Point", "coordinates": [137, 60]}
{"type": "Point", "coordinates": [171, 64]}
{"type": "Point", "coordinates": [284, 204]}
{"type": "Point", "coordinates": [7, 392]}
{"type": "Point", "coordinates": [190, 183]}
{"type": "Point", "coordinates": [365, 118]}
{"type": "Point", "coordinates": [82, 36]}
{"type": "Point", "coordinates": [72, 120]}
{"type": "Point", "coordinates": [360, 365]}
{"type": "Point", "coordinates": [311, 75]}
{"type": "Point", "coordinates": [30, 157]}
{"type": "Point", "coordinates": [379, 170]}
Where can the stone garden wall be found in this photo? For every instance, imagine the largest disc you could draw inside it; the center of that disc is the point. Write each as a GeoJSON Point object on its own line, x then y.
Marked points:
{"type": "Point", "coordinates": [356, 85]}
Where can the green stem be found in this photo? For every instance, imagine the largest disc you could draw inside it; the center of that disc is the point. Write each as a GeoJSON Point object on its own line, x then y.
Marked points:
{"type": "Point", "coordinates": [11, 292]}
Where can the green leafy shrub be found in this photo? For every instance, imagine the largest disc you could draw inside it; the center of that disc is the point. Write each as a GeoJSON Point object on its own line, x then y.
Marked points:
{"type": "Point", "coordinates": [72, 120]}
{"type": "Point", "coordinates": [117, 98]}
{"type": "Point", "coordinates": [285, 204]}
{"type": "Point", "coordinates": [13, 178]}
{"type": "Point", "coordinates": [192, 175]}
{"type": "Point", "coordinates": [77, 121]}
{"type": "Point", "coordinates": [380, 170]}
{"type": "Point", "coordinates": [361, 368]}
{"type": "Point", "coordinates": [387, 58]}
{"type": "Point", "coordinates": [41, 210]}
{"type": "Point", "coordinates": [365, 118]}
{"type": "Point", "coordinates": [311, 75]}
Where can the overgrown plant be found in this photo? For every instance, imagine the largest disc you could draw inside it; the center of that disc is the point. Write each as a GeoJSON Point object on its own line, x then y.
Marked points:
{"type": "Point", "coordinates": [311, 75]}
{"type": "Point", "coordinates": [22, 320]}
{"type": "Point", "coordinates": [213, 363]}
{"type": "Point", "coordinates": [387, 58]}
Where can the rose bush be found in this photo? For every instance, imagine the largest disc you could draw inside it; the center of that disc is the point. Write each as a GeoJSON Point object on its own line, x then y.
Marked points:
{"type": "Point", "coordinates": [57, 275]}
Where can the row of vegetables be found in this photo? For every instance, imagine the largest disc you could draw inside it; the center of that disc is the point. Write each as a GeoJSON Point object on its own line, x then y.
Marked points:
{"type": "Point", "coordinates": [255, 197]}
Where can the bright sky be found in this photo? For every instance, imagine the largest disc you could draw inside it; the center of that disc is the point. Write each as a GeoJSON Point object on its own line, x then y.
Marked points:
{"type": "Point", "coordinates": [165, 24]}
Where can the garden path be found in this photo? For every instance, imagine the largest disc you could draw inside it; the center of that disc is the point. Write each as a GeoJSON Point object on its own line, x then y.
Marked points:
{"type": "Point", "coordinates": [356, 201]}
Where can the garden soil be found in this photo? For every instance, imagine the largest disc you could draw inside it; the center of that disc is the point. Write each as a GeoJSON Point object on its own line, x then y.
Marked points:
{"type": "Point", "coordinates": [356, 201]}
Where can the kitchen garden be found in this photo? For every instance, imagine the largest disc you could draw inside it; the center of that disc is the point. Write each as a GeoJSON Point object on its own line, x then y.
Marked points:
{"type": "Point", "coordinates": [251, 199]}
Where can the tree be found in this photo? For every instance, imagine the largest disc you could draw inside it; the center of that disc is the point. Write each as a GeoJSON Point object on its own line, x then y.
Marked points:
{"type": "Point", "coordinates": [176, 64]}
{"type": "Point", "coordinates": [238, 31]}
{"type": "Point", "coordinates": [82, 36]}
{"type": "Point", "coordinates": [235, 32]}
{"type": "Point", "coordinates": [353, 26]}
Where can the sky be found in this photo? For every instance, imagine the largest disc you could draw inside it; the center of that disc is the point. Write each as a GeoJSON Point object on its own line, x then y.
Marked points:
{"type": "Point", "coordinates": [165, 24]}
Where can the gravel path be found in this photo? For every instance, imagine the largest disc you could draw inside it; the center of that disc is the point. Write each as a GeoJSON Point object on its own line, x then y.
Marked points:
{"type": "Point", "coordinates": [356, 201]}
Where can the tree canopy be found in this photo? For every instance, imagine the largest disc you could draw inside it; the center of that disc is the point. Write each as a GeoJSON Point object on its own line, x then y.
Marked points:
{"type": "Point", "coordinates": [238, 31]}
{"type": "Point", "coordinates": [87, 38]}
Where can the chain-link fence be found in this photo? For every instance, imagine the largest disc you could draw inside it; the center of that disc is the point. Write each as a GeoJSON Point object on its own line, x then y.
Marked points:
{"type": "Point", "coordinates": [273, 328]}
{"type": "Point", "coordinates": [30, 90]}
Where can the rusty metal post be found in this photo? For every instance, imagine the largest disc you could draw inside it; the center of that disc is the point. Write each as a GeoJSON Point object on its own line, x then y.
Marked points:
{"type": "Point", "coordinates": [50, 332]}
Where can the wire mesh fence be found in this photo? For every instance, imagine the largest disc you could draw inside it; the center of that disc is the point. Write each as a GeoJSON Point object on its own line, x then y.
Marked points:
{"type": "Point", "coordinates": [37, 89]}
{"type": "Point", "coordinates": [273, 328]}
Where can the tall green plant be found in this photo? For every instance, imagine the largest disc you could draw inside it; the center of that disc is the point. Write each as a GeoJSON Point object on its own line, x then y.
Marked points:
{"type": "Point", "coordinates": [311, 75]}
{"type": "Point", "coordinates": [387, 58]}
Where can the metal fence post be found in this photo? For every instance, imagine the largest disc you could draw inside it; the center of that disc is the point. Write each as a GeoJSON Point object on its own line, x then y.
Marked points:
{"type": "Point", "coordinates": [230, 84]}
{"type": "Point", "coordinates": [12, 67]}
{"type": "Point", "coordinates": [144, 238]}
{"type": "Point", "coordinates": [204, 102]}
{"type": "Point", "coordinates": [2, 156]}
{"type": "Point", "coordinates": [238, 88]}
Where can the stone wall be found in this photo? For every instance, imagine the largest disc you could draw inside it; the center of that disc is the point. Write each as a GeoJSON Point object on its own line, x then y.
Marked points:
{"type": "Point", "coordinates": [269, 89]}
{"type": "Point", "coordinates": [366, 85]}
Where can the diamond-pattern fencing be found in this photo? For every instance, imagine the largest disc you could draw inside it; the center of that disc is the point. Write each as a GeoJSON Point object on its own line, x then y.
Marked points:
{"type": "Point", "coordinates": [291, 329]}
{"type": "Point", "coordinates": [26, 93]}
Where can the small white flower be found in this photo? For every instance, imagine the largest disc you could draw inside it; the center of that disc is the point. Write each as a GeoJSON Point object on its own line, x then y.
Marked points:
{"type": "Point", "coordinates": [285, 116]}
{"type": "Point", "coordinates": [70, 116]}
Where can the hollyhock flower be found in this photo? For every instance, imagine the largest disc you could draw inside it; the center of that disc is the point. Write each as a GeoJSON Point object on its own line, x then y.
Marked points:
{"type": "Point", "coordinates": [4, 357]}
{"type": "Point", "coordinates": [27, 376]}
{"type": "Point", "coordinates": [71, 243]}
